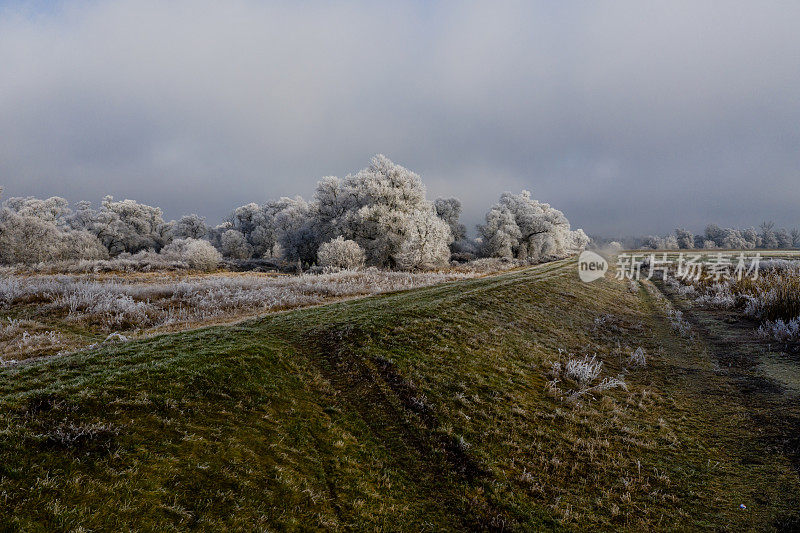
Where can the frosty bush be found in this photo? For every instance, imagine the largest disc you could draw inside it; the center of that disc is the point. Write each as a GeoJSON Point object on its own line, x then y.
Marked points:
{"type": "Point", "coordinates": [679, 323]}
{"type": "Point", "coordinates": [780, 330]}
{"type": "Point", "coordinates": [717, 295]}
{"type": "Point", "coordinates": [638, 357]}
{"type": "Point", "coordinates": [198, 254]}
{"type": "Point", "coordinates": [341, 253]}
{"type": "Point", "coordinates": [583, 371]}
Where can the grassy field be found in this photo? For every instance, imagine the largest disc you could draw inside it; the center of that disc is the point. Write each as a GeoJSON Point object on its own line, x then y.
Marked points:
{"type": "Point", "coordinates": [428, 409]}
{"type": "Point", "coordinates": [56, 313]}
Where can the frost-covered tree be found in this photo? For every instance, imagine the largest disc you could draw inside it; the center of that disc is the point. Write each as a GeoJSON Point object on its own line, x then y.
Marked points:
{"type": "Point", "coordinates": [715, 233]}
{"type": "Point", "coordinates": [33, 230]}
{"type": "Point", "coordinates": [752, 238]}
{"type": "Point", "coordinates": [190, 227]}
{"type": "Point", "coordinates": [768, 238]}
{"type": "Point", "coordinates": [373, 207]}
{"type": "Point", "coordinates": [297, 231]}
{"type": "Point", "coordinates": [670, 242]}
{"type": "Point", "coordinates": [684, 238]}
{"type": "Point", "coordinates": [795, 233]}
{"type": "Point", "coordinates": [653, 242]}
{"type": "Point", "coordinates": [214, 235]}
{"type": "Point", "coordinates": [519, 226]}
{"type": "Point", "coordinates": [427, 242]}
{"type": "Point", "coordinates": [500, 234]}
{"type": "Point", "coordinates": [578, 240]}
{"type": "Point", "coordinates": [27, 239]}
{"type": "Point", "coordinates": [334, 204]}
{"type": "Point", "coordinates": [128, 226]}
{"type": "Point", "coordinates": [264, 227]}
{"type": "Point", "coordinates": [198, 254]}
{"type": "Point", "coordinates": [54, 210]}
{"type": "Point", "coordinates": [234, 245]}
{"type": "Point", "coordinates": [83, 217]}
{"type": "Point", "coordinates": [256, 223]}
{"type": "Point", "coordinates": [341, 253]}
{"type": "Point", "coordinates": [784, 238]}
{"type": "Point", "coordinates": [732, 239]}
{"type": "Point", "coordinates": [449, 210]}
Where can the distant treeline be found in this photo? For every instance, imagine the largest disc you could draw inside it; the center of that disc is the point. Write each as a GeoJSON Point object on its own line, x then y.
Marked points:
{"type": "Point", "coordinates": [765, 237]}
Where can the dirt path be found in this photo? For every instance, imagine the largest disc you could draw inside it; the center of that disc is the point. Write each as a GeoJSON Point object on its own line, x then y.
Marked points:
{"type": "Point", "coordinates": [763, 377]}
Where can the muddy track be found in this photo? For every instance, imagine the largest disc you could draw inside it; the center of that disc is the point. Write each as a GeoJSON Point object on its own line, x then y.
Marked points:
{"type": "Point", "coordinates": [731, 340]}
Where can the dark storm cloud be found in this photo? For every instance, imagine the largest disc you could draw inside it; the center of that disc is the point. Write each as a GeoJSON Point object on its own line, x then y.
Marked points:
{"type": "Point", "coordinates": [631, 117]}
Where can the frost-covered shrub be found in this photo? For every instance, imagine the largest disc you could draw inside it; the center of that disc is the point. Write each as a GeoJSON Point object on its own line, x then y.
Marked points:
{"type": "Point", "coordinates": [780, 330]}
{"type": "Point", "coordinates": [680, 288]}
{"type": "Point", "coordinates": [718, 295]}
{"type": "Point", "coordinates": [638, 357]}
{"type": "Point", "coordinates": [583, 371]}
{"type": "Point", "coordinates": [341, 253]}
{"type": "Point", "coordinates": [198, 254]}
{"type": "Point", "coordinates": [678, 323]}
{"type": "Point", "coordinates": [778, 296]}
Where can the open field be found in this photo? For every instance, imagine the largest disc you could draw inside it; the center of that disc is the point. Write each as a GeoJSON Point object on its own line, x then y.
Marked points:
{"type": "Point", "coordinates": [47, 314]}
{"type": "Point", "coordinates": [518, 401]}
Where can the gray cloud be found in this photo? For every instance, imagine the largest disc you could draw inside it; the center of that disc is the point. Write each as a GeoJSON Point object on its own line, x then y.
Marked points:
{"type": "Point", "coordinates": [631, 117]}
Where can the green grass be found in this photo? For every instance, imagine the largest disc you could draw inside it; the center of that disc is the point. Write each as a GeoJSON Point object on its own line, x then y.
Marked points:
{"type": "Point", "coordinates": [420, 410]}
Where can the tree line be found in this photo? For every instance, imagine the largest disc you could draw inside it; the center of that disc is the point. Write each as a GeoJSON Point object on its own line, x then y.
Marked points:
{"type": "Point", "coordinates": [379, 216]}
{"type": "Point", "coordinates": [767, 236]}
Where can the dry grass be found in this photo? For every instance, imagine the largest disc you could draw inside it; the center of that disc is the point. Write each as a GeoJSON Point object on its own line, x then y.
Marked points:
{"type": "Point", "coordinates": [51, 313]}
{"type": "Point", "coordinates": [773, 298]}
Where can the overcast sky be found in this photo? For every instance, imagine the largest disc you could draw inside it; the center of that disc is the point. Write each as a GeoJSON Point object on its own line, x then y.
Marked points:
{"type": "Point", "coordinates": [631, 117]}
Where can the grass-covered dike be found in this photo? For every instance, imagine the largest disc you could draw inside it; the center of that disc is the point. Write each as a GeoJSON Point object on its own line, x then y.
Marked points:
{"type": "Point", "coordinates": [430, 409]}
